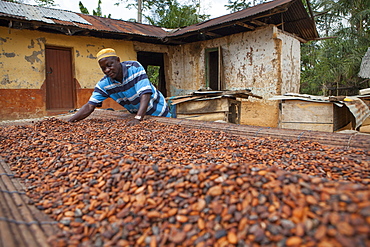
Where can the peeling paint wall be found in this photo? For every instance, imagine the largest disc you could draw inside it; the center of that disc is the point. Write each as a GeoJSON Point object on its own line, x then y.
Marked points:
{"type": "Point", "coordinates": [291, 63]}
{"type": "Point", "coordinates": [266, 61]}
{"type": "Point", "coordinates": [22, 68]}
{"type": "Point", "coordinates": [257, 60]}
{"type": "Point", "coordinates": [139, 46]}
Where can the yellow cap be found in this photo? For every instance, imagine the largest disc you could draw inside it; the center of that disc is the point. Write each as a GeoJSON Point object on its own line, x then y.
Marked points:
{"type": "Point", "coordinates": [107, 52]}
{"type": "Point", "coordinates": [348, 99]}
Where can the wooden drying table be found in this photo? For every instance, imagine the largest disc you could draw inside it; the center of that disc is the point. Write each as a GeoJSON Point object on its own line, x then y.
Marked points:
{"type": "Point", "coordinates": [21, 224]}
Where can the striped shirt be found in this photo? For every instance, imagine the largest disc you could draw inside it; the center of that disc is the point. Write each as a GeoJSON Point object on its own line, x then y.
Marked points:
{"type": "Point", "coordinates": [127, 94]}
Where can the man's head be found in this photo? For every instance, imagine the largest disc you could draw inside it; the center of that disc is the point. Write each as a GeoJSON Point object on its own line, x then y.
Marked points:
{"type": "Point", "coordinates": [110, 63]}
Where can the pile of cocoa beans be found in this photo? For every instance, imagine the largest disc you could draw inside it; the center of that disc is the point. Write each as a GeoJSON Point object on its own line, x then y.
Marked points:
{"type": "Point", "coordinates": [156, 184]}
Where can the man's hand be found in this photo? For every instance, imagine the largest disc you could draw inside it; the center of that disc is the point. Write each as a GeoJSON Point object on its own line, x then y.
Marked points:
{"type": "Point", "coordinates": [133, 122]}
{"type": "Point", "coordinates": [84, 112]}
{"type": "Point", "coordinates": [144, 100]}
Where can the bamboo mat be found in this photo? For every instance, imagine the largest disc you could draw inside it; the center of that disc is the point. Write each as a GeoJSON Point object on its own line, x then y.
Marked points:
{"type": "Point", "coordinates": [21, 224]}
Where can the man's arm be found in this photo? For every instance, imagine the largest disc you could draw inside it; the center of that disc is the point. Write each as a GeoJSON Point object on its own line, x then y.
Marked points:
{"type": "Point", "coordinates": [144, 101]}
{"type": "Point", "coordinates": [84, 112]}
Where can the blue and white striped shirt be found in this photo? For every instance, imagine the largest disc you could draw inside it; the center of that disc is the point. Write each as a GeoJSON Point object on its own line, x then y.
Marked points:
{"type": "Point", "coordinates": [135, 83]}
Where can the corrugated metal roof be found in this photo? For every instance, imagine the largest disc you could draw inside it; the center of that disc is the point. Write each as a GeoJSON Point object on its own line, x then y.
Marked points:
{"type": "Point", "coordinates": [118, 26]}
{"type": "Point", "coordinates": [245, 13]}
{"type": "Point", "coordinates": [35, 13]}
{"type": "Point", "coordinates": [289, 15]}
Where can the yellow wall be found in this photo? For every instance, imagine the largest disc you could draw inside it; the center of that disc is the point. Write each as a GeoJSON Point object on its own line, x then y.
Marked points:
{"type": "Point", "coordinates": [22, 57]}
{"type": "Point", "coordinates": [22, 68]}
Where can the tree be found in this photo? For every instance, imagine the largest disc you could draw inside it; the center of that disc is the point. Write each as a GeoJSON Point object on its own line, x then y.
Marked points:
{"type": "Point", "coordinates": [331, 66]}
{"type": "Point", "coordinates": [169, 13]}
{"type": "Point", "coordinates": [97, 12]}
{"type": "Point", "coordinates": [153, 74]}
{"type": "Point", "coordinates": [174, 15]}
{"type": "Point", "coordinates": [83, 9]}
{"type": "Point", "coordinates": [238, 5]}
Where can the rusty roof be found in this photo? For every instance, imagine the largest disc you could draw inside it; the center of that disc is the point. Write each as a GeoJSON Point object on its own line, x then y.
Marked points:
{"type": "Point", "coordinates": [112, 25]}
{"type": "Point", "coordinates": [288, 15]}
{"type": "Point", "coordinates": [70, 23]}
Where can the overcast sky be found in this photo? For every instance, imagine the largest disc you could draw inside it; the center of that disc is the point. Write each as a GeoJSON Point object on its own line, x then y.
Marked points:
{"type": "Point", "coordinates": [215, 8]}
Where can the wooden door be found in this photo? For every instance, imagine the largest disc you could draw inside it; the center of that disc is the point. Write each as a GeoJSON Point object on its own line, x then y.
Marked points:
{"type": "Point", "coordinates": [60, 88]}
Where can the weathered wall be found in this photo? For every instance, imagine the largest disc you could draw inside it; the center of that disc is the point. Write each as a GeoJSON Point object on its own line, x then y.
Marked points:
{"type": "Point", "coordinates": [139, 46]}
{"type": "Point", "coordinates": [291, 63]}
{"type": "Point", "coordinates": [266, 61]}
{"type": "Point", "coordinates": [187, 67]}
{"type": "Point", "coordinates": [22, 69]}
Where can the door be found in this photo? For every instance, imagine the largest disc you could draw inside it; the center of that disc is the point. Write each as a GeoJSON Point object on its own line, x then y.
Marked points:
{"type": "Point", "coordinates": [60, 87]}
{"type": "Point", "coordinates": [214, 68]}
{"type": "Point", "coordinates": [153, 63]}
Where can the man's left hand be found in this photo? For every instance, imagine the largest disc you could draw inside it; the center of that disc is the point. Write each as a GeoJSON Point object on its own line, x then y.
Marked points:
{"type": "Point", "coordinates": [133, 122]}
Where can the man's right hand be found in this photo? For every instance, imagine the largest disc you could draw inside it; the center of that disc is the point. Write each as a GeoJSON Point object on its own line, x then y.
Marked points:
{"type": "Point", "coordinates": [84, 112]}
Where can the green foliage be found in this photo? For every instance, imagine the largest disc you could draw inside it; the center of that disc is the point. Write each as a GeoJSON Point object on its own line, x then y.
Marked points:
{"type": "Point", "coordinates": [175, 15]}
{"type": "Point", "coordinates": [170, 13]}
{"type": "Point", "coordinates": [238, 5]}
{"type": "Point", "coordinates": [153, 74]}
{"type": "Point", "coordinates": [97, 12]}
{"type": "Point", "coordinates": [331, 64]}
{"type": "Point", "coordinates": [83, 9]}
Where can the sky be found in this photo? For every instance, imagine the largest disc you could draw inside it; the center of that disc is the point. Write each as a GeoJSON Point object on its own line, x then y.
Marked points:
{"type": "Point", "coordinates": [215, 8]}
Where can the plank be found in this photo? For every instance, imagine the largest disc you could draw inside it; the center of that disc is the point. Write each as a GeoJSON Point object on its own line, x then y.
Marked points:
{"type": "Point", "coordinates": [308, 126]}
{"type": "Point", "coordinates": [306, 112]}
{"type": "Point", "coordinates": [204, 106]}
{"type": "Point", "coordinates": [365, 129]}
{"type": "Point", "coordinates": [366, 121]}
{"type": "Point", "coordinates": [365, 91]}
{"type": "Point", "coordinates": [218, 116]}
{"type": "Point", "coordinates": [185, 99]}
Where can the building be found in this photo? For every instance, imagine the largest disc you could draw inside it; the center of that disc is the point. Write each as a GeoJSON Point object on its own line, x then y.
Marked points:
{"type": "Point", "coordinates": [48, 63]}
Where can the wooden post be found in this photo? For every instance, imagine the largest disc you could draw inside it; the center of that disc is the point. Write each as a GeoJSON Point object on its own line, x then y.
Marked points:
{"type": "Point", "coordinates": [139, 11]}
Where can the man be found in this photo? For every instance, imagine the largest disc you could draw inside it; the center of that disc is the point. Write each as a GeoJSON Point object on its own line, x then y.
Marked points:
{"type": "Point", "coordinates": [127, 83]}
